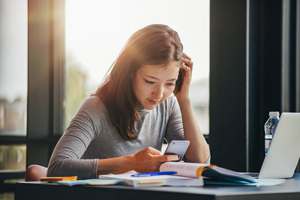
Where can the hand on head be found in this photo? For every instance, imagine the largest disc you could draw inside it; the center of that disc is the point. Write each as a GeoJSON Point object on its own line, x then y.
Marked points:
{"type": "Point", "coordinates": [186, 69]}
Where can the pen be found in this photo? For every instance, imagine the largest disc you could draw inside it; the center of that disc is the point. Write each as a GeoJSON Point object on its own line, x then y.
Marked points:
{"type": "Point", "coordinates": [154, 174]}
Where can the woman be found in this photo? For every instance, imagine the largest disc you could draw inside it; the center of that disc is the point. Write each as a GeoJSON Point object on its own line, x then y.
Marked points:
{"type": "Point", "coordinates": [122, 125]}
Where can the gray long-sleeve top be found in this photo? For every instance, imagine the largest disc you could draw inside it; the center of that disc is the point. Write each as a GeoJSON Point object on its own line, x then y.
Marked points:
{"type": "Point", "coordinates": [90, 136]}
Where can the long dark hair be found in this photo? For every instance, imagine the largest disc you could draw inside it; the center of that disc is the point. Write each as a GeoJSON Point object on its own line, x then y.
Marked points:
{"type": "Point", "coordinates": [155, 44]}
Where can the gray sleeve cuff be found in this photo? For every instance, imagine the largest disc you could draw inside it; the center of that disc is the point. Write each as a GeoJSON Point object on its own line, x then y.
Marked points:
{"type": "Point", "coordinates": [207, 161]}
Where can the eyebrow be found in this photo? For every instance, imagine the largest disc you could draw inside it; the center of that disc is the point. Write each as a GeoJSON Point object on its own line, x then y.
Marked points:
{"type": "Point", "coordinates": [174, 79]}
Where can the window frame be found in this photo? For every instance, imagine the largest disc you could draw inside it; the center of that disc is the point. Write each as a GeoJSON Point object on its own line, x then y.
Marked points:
{"type": "Point", "coordinates": [45, 99]}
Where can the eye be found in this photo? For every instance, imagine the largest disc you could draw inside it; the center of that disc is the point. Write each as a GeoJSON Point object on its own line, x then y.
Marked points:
{"type": "Point", "coordinates": [171, 84]}
{"type": "Point", "coordinates": [149, 82]}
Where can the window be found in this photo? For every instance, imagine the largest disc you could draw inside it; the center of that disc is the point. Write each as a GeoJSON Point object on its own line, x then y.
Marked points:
{"type": "Point", "coordinates": [13, 81]}
{"type": "Point", "coordinates": [13, 67]}
{"type": "Point", "coordinates": [96, 32]}
{"type": "Point", "coordinates": [13, 93]}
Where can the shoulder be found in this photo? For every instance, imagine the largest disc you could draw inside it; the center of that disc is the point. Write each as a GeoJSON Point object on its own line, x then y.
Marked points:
{"type": "Point", "coordinates": [93, 99]}
{"type": "Point", "coordinates": [92, 105]}
{"type": "Point", "coordinates": [92, 114]}
{"type": "Point", "coordinates": [170, 105]}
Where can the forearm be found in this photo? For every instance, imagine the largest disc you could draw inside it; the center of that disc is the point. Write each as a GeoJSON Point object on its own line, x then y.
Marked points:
{"type": "Point", "coordinates": [115, 165]}
{"type": "Point", "coordinates": [198, 150]}
{"type": "Point", "coordinates": [82, 168]}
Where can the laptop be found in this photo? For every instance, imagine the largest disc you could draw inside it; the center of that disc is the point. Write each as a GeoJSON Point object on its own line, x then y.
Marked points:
{"type": "Point", "coordinates": [284, 152]}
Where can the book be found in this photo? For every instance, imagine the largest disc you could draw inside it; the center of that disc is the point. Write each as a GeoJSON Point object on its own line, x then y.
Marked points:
{"type": "Point", "coordinates": [63, 178]}
{"type": "Point", "coordinates": [258, 183]}
{"type": "Point", "coordinates": [215, 175]}
{"type": "Point", "coordinates": [204, 170]}
{"type": "Point", "coordinates": [150, 181]}
{"type": "Point", "coordinates": [97, 182]}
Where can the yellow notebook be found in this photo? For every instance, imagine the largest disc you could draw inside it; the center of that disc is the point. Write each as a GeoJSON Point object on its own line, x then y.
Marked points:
{"type": "Point", "coordinates": [54, 179]}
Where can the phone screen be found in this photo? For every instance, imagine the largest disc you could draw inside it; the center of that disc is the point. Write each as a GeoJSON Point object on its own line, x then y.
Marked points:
{"type": "Point", "coordinates": [177, 147]}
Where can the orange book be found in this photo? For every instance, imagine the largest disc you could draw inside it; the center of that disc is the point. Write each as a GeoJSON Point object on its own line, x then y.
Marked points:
{"type": "Point", "coordinates": [205, 170]}
{"type": "Point", "coordinates": [53, 179]}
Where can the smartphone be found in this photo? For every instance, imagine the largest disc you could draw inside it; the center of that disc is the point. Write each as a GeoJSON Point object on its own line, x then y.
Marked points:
{"type": "Point", "coordinates": [177, 147]}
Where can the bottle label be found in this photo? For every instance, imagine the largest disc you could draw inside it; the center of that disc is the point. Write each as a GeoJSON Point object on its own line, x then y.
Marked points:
{"type": "Point", "coordinates": [267, 144]}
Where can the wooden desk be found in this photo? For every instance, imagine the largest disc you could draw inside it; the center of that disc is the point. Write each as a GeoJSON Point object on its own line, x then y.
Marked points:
{"type": "Point", "coordinates": [35, 190]}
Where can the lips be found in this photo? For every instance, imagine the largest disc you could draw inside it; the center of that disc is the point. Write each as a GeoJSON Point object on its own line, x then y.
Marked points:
{"type": "Point", "coordinates": [153, 101]}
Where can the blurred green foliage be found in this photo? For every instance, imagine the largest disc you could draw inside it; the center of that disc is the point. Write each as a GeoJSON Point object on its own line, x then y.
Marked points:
{"type": "Point", "coordinates": [13, 157]}
{"type": "Point", "coordinates": [76, 87]}
{"type": "Point", "coordinates": [7, 196]}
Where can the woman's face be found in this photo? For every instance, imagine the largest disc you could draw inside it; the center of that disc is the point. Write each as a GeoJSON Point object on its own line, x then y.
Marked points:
{"type": "Point", "coordinates": [152, 84]}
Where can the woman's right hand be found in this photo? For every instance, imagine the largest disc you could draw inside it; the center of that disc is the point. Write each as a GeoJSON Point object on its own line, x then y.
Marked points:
{"type": "Point", "coordinates": [147, 160]}
{"type": "Point", "coordinates": [150, 159]}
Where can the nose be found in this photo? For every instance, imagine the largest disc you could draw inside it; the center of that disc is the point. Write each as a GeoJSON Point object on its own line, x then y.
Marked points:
{"type": "Point", "coordinates": [158, 92]}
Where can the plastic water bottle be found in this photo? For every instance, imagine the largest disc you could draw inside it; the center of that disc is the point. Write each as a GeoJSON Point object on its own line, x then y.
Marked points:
{"type": "Point", "coordinates": [270, 127]}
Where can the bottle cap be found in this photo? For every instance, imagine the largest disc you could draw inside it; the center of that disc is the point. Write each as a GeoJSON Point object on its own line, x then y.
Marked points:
{"type": "Point", "coordinates": [274, 113]}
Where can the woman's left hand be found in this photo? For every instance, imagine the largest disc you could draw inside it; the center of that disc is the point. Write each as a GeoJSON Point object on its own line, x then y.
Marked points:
{"type": "Point", "coordinates": [186, 69]}
{"type": "Point", "coordinates": [198, 150]}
